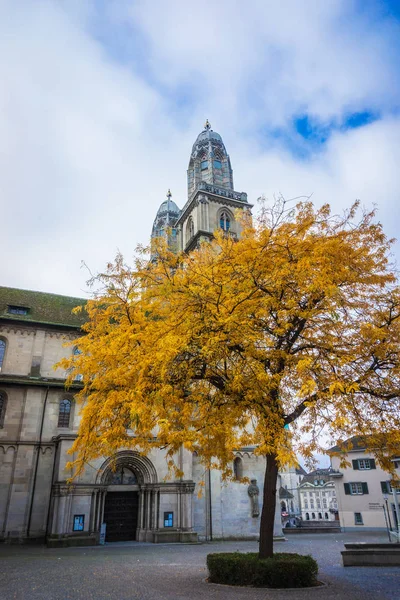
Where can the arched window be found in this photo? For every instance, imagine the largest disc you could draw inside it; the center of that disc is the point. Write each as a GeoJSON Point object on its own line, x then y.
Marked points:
{"type": "Point", "coordinates": [326, 516]}
{"type": "Point", "coordinates": [313, 516]}
{"type": "Point", "coordinates": [283, 506]}
{"type": "Point", "coordinates": [225, 221]}
{"type": "Point", "coordinates": [319, 515]}
{"type": "Point", "coordinates": [238, 468]}
{"type": "Point", "coordinates": [307, 517]}
{"type": "Point", "coordinates": [64, 412]}
{"type": "Point", "coordinates": [190, 229]}
{"type": "Point", "coordinates": [122, 476]}
{"type": "Point", "coordinates": [2, 351]}
{"type": "Point", "coordinates": [3, 403]}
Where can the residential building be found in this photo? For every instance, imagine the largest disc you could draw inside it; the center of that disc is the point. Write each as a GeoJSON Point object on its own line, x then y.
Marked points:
{"type": "Point", "coordinates": [364, 493]}
{"type": "Point", "coordinates": [318, 496]}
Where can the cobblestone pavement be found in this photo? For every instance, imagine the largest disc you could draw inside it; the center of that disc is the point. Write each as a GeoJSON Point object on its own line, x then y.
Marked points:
{"type": "Point", "coordinates": [133, 571]}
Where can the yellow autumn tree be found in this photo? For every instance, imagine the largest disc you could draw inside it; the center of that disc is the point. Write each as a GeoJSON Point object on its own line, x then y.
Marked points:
{"type": "Point", "coordinates": [294, 324]}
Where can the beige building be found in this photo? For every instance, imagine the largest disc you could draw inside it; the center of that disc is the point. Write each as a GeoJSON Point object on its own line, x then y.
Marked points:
{"type": "Point", "coordinates": [39, 418]}
{"type": "Point", "coordinates": [364, 494]}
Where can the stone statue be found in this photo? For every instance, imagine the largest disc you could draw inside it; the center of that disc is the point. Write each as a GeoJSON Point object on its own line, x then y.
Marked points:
{"type": "Point", "coordinates": [253, 492]}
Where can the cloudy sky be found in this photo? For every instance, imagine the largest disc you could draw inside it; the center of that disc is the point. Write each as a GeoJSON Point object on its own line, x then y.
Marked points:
{"type": "Point", "coordinates": [101, 101]}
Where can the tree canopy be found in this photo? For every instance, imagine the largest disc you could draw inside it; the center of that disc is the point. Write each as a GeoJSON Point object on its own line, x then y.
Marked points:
{"type": "Point", "coordinates": [296, 323]}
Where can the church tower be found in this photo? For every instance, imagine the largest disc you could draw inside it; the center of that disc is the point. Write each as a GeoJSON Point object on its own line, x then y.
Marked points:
{"type": "Point", "coordinates": [165, 222]}
{"type": "Point", "coordinates": [212, 200]}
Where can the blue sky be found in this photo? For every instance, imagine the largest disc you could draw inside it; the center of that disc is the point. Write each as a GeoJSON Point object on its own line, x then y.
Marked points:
{"type": "Point", "coordinates": [101, 102]}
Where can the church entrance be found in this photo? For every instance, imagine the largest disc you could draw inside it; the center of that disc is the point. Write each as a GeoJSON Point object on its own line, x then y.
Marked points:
{"type": "Point", "coordinates": [121, 516]}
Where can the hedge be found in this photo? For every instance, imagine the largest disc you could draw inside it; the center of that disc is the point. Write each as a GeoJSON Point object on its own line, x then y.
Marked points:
{"type": "Point", "coordinates": [283, 570]}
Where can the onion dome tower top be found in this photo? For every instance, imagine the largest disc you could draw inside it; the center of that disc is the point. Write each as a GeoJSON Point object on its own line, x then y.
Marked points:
{"type": "Point", "coordinates": [165, 221]}
{"type": "Point", "coordinates": [209, 161]}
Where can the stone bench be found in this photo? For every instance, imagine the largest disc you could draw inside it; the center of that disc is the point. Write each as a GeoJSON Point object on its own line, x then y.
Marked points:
{"type": "Point", "coordinates": [371, 555]}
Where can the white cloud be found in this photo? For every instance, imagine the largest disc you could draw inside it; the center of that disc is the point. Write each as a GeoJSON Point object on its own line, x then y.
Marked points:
{"type": "Point", "coordinates": [90, 140]}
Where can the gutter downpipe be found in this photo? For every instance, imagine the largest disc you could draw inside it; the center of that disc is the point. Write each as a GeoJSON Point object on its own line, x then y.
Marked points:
{"type": "Point", "coordinates": [38, 447]}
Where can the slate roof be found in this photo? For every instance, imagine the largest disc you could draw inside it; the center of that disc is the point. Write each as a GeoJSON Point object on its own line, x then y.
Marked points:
{"type": "Point", "coordinates": [284, 493]}
{"type": "Point", "coordinates": [44, 308]}
{"type": "Point", "coordinates": [324, 474]}
{"type": "Point", "coordinates": [356, 442]}
{"type": "Point", "coordinates": [300, 471]}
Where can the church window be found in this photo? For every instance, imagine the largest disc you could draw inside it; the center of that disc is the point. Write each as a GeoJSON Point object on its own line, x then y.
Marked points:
{"type": "Point", "coordinates": [76, 352]}
{"type": "Point", "coordinates": [224, 221]}
{"type": "Point", "coordinates": [190, 228]}
{"type": "Point", "coordinates": [64, 413]}
{"type": "Point", "coordinates": [3, 402]}
{"type": "Point", "coordinates": [2, 352]}
{"type": "Point", "coordinates": [204, 165]}
{"type": "Point", "coordinates": [122, 476]}
{"type": "Point", "coordinates": [217, 164]}
{"type": "Point", "coordinates": [238, 468]}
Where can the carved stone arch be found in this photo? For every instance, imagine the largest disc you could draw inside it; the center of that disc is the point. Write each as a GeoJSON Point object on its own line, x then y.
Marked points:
{"type": "Point", "coordinates": [140, 465]}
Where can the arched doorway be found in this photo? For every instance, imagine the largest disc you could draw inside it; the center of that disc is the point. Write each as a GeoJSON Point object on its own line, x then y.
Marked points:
{"type": "Point", "coordinates": [131, 497]}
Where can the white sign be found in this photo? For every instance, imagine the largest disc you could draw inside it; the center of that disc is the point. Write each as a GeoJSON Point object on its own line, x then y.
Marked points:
{"type": "Point", "coordinates": [103, 527]}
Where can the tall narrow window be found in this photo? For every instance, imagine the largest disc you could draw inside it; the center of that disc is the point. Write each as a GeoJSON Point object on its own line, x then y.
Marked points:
{"type": "Point", "coordinates": [238, 468]}
{"type": "Point", "coordinates": [224, 221]}
{"type": "Point", "coordinates": [64, 413]}
{"type": "Point", "coordinates": [3, 402]}
{"type": "Point", "coordinates": [2, 352]}
{"type": "Point", "coordinates": [76, 352]}
{"type": "Point", "coordinates": [190, 229]}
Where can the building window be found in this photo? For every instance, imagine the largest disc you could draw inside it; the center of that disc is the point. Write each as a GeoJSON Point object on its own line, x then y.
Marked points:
{"type": "Point", "coordinates": [77, 352]}
{"type": "Point", "coordinates": [319, 515]}
{"type": "Point", "coordinates": [358, 519]}
{"type": "Point", "coordinates": [356, 488]}
{"type": "Point", "coordinates": [224, 221]}
{"type": "Point", "coordinates": [190, 229]}
{"type": "Point", "coordinates": [387, 488]}
{"type": "Point", "coordinates": [307, 517]}
{"type": "Point", "coordinates": [312, 503]}
{"type": "Point", "coordinates": [64, 413]}
{"type": "Point", "coordinates": [217, 164]}
{"type": "Point", "coordinates": [168, 519]}
{"type": "Point", "coordinates": [204, 165]}
{"type": "Point", "coordinates": [3, 403]}
{"type": "Point", "coordinates": [364, 464]}
{"type": "Point", "coordinates": [17, 310]}
{"type": "Point", "coordinates": [2, 352]}
{"type": "Point", "coordinates": [313, 516]}
{"type": "Point", "coordinates": [305, 503]}
{"type": "Point", "coordinates": [238, 468]}
{"type": "Point", "coordinates": [122, 476]}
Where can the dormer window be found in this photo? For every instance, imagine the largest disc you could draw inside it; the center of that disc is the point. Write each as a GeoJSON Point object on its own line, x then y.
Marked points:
{"type": "Point", "coordinates": [17, 310]}
{"type": "Point", "coordinates": [204, 165]}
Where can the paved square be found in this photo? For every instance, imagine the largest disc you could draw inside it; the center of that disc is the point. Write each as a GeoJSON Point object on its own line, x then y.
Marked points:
{"type": "Point", "coordinates": [137, 571]}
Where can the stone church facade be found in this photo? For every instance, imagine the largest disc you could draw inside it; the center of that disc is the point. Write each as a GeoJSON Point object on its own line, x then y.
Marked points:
{"type": "Point", "coordinates": [39, 419]}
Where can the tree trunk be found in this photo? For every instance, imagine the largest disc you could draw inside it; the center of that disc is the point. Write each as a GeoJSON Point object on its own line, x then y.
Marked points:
{"type": "Point", "coordinates": [268, 510]}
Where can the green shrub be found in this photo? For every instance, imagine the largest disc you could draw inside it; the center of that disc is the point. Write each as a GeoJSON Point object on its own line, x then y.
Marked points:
{"type": "Point", "coordinates": [283, 570]}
